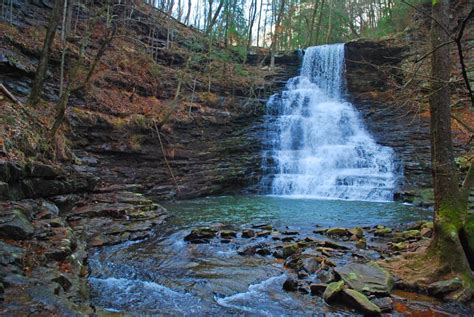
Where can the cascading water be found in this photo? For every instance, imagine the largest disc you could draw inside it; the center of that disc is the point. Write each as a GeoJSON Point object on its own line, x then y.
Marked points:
{"type": "Point", "coordinates": [319, 146]}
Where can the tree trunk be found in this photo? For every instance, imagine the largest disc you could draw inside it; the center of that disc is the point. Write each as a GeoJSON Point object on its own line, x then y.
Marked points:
{"type": "Point", "coordinates": [450, 205]}
{"type": "Point", "coordinates": [37, 87]}
{"type": "Point", "coordinates": [259, 23]}
{"type": "Point", "coordinates": [274, 37]}
{"type": "Point", "coordinates": [313, 19]}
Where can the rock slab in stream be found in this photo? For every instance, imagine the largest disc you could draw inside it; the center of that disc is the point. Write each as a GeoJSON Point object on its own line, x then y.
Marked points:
{"type": "Point", "coordinates": [360, 302]}
{"type": "Point", "coordinates": [366, 278]}
{"type": "Point", "coordinates": [333, 290]}
{"type": "Point", "coordinates": [201, 235]}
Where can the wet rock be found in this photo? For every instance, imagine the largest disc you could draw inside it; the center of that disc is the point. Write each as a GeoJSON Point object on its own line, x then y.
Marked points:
{"type": "Point", "coordinates": [263, 226]}
{"type": "Point", "coordinates": [327, 276]}
{"type": "Point", "coordinates": [382, 231]}
{"type": "Point", "coordinates": [290, 285]}
{"type": "Point", "coordinates": [264, 233]}
{"type": "Point", "coordinates": [228, 234]}
{"type": "Point", "coordinates": [366, 278]}
{"type": "Point", "coordinates": [443, 287]}
{"type": "Point", "coordinates": [338, 232]}
{"type": "Point", "coordinates": [360, 302]}
{"type": "Point", "coordinates": [318, 288]}
{"type": "Point", "coordinates": [334, 245]}
{"type": "Point", "coordinates": [357, 231]}
{"type": "Point", "coordinates": [333, 290]}
{"type": "Point", "coordinates": [320, 231]}
{"type": "Point", "coordinates": [289, 250]}
{"type": "Point", "coordinates": [304, 289]}
{"type": "Point", "coordinates": [310, 265]}
{"type": "Point", "coordinates": [248, 233]}
{"type": "Point", "coordinates": [63, 281]}
{"type": "Point", "coordinates": [384, 303]}
{"type": "Point", "coordinates": [260, 248]}
{"type": "Point", "coordinates": [263, 251]}
{"type": "Point", "coordinates": [14, 225]}
{"type": "Point", "coordinates": [302, 275]}
{"type": "Point", "coordinates": [406, 235]}
{"type": "Point", "coordinates": [201, 235]}
{"type": "Point", "coordinates": [361, 244]}
{"type": "Point", "coordinates": [399, 246]}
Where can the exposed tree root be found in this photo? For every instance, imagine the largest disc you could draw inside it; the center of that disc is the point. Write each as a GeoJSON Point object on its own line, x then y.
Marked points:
{"type": "Point", "coordinates": [417, 271]}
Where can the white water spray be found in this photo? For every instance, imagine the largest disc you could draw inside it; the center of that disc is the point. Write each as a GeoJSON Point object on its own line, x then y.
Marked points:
{"type": "Point", "coordinates": [320, 148]}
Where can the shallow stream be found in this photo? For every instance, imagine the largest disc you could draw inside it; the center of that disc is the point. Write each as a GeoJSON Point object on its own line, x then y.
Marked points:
{"type": "Point", "coordinates": [165, 275]}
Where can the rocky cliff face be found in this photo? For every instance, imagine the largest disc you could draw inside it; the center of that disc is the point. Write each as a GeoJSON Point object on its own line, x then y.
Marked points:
{"type": "Point", "coordinates": [375, 84]}
{"type": "Point", "coordinates": [214, 149]}
{"type": "Point", "coordinates": [399, 126]}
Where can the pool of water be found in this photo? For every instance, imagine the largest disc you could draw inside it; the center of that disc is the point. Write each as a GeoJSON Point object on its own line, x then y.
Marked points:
{"type": "Point", "coordinates": [164, 275]}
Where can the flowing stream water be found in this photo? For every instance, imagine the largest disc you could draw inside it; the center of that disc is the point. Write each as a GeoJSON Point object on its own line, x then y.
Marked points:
{"type": "Point", "coordinates": [319, 147]}
{"type": "Point", "coordinates": [165, 275]}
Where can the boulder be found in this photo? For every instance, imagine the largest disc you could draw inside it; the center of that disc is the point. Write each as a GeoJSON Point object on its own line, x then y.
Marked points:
{"type": "Point", "coordinates": [15, 225]}
{"type": "Point", "coordinates": [310, 265]}
{"type": "Point", "coordinates": [289, 250]}
{"type": "Point", "coordinates": [228, 234]}
{"type": "Point", "coordinates": [366, 278]}
{"type": "Point", "coordinates": [357, 231]}
{"type": "Point", "coordinates": [360, 302]}
{"type": "Point", "coordinates": [338, 232]}
{"type": "Point", "coordinates": [290, 285]}
{"type": "Point", "coordinates": [382, 231]}
{"type": "Point", "coordinates": [407, 235]}
{"type": "Point", "coordinates": [361, 244]}
{"type": "Point", "coordinates": [326, 276]}
{"type": "Point", "coordinates": [399, 246]}
{"type": "Point", "coordinates": [264, 233]}
{"type": "Point", "coordinates": [384, 303]}
{"type": "Point", "coordinates": [263, 226]}
{"type": "Point", "coordinates": [443, 287]}
{"type": "Point", "coordinates": [248, 233]}
{"type": "Point", "coordinates": [318, 288]}
{"type": "Point", "coordinates": [201, 235]}
{"type": "Point", "coordinates": [333, 290]}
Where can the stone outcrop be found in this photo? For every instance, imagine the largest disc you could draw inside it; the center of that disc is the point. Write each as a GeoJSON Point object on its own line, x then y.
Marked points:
{"type": "Point", "coordinates": [372, 68]}
{"type": "Point", "coordinates": [214, 150]}
{"type": "Point", "coordinates": [35, 180]}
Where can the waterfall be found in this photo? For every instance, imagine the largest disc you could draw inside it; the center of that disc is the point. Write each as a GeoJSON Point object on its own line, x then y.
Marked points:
{"type": "Point", "coordinates": [317, 144]}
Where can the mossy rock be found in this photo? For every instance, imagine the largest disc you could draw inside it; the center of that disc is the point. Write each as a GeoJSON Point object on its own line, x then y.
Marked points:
{"type": "Point", "coordinates": [333, 290]}
{"type": "Point", "coordinates": [338, 232]}
{"type": "Point", "coordinates": [382, 231]}
{"type": "Point", "coordinates": [366, 278]}
{"type": "Point", "coordinates": [360, 302]}
{"type": "Point", "coordinates": [407, 235]}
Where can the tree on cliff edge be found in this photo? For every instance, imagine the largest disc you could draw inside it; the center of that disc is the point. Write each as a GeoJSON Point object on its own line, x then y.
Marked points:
{"type": "Point", "coordinates": [453, 238]}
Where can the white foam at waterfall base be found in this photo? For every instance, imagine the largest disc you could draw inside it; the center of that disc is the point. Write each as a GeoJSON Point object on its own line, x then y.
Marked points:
{"type": "Point", "coordinates": [319, 145]}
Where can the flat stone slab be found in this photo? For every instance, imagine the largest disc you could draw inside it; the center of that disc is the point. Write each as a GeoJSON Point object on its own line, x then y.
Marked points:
{"type": "Point", "coordinates": [366, 278]}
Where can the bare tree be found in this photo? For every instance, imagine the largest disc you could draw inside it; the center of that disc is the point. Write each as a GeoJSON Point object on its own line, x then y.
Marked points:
{"type": "Point", "coordinates": [40, 75]}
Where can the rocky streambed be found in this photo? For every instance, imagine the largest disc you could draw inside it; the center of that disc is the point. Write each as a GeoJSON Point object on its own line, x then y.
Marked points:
{"type": "Point", "coordinates": [269, 256]}
{"type": "Point", "coordinates": [54, 217]}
